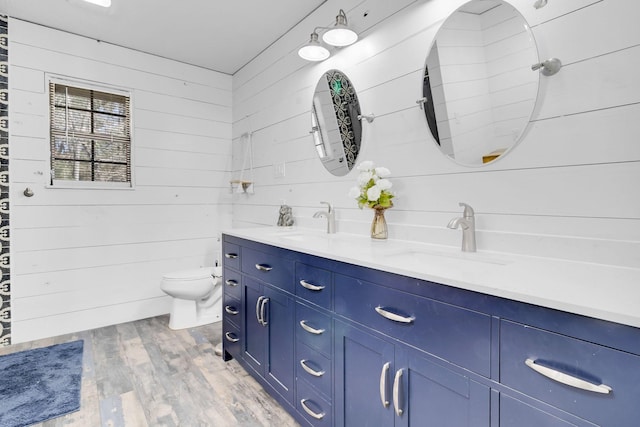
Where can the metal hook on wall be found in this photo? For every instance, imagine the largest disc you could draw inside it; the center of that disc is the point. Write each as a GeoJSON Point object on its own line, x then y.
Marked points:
{"type": "Point", "coordinates": [548, 67]}
{"type": "Point", "coordinates": [368, 117]}
{"type": "Point", "coordinates": [540, 3]}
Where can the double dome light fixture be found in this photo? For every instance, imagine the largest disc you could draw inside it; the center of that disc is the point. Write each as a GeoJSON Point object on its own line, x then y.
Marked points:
{"type": "Point", "coordinates": [339, 35]}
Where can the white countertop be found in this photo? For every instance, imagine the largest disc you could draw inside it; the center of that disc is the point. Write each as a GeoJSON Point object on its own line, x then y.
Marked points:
{"type": "Point", "coordinates": [595, 290]}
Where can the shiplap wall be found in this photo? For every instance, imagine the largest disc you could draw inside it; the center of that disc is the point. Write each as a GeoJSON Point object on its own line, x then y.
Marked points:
{"type": "Point", "coordinates": [568, 190]}
{"type": "Point", "coordinates": [84, 258]}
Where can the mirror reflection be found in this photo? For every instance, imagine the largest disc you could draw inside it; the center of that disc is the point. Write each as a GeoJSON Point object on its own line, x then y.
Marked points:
{"type": "Point", "coordinates": [335, 127]}
{"type": "Point", "coordinates": [478, 87]}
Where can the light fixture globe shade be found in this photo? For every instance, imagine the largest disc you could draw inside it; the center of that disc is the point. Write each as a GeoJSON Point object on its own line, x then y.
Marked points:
{"type": "Point", "coordinates": [340, 35]}
{"type": "Point", "coordinates": [313, 52]}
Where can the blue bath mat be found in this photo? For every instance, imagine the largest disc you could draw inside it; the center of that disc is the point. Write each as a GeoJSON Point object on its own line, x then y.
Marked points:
{"type": "Point", "coordinates": [39, 384]}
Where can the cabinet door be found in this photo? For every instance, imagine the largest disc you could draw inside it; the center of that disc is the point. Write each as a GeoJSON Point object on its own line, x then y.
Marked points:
{"type": "Point", "coordinates": [279, 367]}
{"type": "Point", "coordinates": [429, 394]}
{"type": "Point", "coordinates": [363, 377]}
{"type": "Point", "coordinates": [254, 346]}
{"type": "Point", "coordinates": [268, 334]}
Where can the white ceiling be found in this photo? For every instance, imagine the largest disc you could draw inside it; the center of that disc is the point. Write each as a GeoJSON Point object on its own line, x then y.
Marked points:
{"type": "Point", "coordinates": [221, 35]}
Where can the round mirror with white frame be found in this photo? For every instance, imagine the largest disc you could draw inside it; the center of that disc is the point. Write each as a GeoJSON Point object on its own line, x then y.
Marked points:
{"type": "Point", "coordinates": [479, 90]}
{"type": "Point", "coordinates": [335, 126]}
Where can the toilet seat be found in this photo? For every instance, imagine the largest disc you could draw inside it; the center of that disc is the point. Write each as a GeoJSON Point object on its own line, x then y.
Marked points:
{"type": "Point", "coordinates": [189, 275]}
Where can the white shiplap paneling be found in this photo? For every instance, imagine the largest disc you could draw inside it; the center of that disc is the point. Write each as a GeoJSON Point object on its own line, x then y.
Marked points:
{"type": "Point", "coordinates": [84, 258]}
{"type": "Point", "coordinates": [567, 190]}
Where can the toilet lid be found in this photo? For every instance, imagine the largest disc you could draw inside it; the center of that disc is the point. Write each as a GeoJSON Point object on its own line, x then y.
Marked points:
{"type": "Point", "coordinates": [193, 274]}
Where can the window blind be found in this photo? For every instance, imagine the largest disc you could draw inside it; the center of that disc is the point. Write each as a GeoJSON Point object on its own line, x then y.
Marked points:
{"type": "Point", "coordinates": [90, 135]}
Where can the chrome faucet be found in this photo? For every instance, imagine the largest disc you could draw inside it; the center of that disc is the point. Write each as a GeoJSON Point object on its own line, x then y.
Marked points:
{"type": "Point", "coordinates": [468, 224]}
{"type": "Point", "coordinates": [330, 214]}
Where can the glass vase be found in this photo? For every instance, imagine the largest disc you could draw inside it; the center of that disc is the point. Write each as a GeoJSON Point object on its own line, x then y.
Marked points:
{"type": "Point", "coordinates": [379, 225]}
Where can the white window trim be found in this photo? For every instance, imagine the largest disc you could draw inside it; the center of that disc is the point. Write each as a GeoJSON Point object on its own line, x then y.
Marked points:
{"type": "Point", "coordinates": [64, 184]}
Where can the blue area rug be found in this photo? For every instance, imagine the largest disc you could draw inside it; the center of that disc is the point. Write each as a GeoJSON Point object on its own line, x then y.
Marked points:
{"type": "Point", "coordinates": [39, 384]}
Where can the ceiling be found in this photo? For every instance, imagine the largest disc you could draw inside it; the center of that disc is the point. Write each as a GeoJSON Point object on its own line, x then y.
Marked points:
{"type": "Point", "coordinates": [221, 35]}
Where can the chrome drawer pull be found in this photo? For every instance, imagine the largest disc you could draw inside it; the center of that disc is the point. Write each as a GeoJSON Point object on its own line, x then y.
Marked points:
{"type": "Point", "coordinates": [231, 282]}
{"type": "Point", "coordinates": [568, 379]}
{"type": "Point", "coordinates": [392, 316]}
{"type": "Point", "coordinates": [383, 384]}
{"type": "Point", "coordinates": [229, 336]}
{"type": "Point", "coordinates": [231, 310]}
{"type": "Point", "coordinates": [264, 267]}
{"type": "Point", "coordinates": [310, 371]}
{"type": "Point", "coordinates": [231, 256]}
{"type": "Point", "coordinates": [309, 286]}
{"type": "Point", "coordinates": [397, 404]}
{"type": "Point", "coordinates": [309, 329]}
{"type": "Point", "coordinates": [303, 403]}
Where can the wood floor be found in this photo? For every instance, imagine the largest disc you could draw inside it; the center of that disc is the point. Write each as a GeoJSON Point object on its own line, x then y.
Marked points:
{"type": "Point", "coordinates": [144, 374]}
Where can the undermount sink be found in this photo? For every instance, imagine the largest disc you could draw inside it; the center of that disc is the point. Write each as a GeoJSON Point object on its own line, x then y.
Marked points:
{"type": "Point", "coordinates": [452, 258]}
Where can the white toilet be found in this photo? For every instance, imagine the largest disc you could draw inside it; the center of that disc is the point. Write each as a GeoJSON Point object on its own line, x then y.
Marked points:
{"type": "Point", "coordinates": [197, 296]}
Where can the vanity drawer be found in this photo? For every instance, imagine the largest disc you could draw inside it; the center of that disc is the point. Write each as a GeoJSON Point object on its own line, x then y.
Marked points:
{"type": "Point", "coordinates": [315, 409]}
{"type": "Point", "coordinates": [231, 283]}
{"type": "Point", "coordinates": [231, 255]}
{"type": "Point", "coordinates": [454, 333]}
{"type": "Point", "coordinates": [269, 268]}
{"type": "Point", "coordinates": [231, 339]}
{"type": "Point", "coordinates": [232, 310]}
{"type": "Point", "coordinates": [313, 284]}
{"type": "Point", "coordinates": [313, 328]}
{"type": "Point", "coordinates": [313, 368]}
{"type": "Point", "coordinates": [571, 358]}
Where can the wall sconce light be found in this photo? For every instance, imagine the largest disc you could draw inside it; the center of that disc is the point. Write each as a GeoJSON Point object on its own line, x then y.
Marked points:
{"type": "Point", "coordinates": [339, 35]}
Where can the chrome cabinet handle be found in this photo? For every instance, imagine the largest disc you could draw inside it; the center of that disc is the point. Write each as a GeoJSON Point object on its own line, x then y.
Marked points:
{"type": "Point", "coordinates": [229, 336]}
{"type": "Point", "coordinates": [309, 329]}
{"type": "Point", "coordinates": [263, 311]}
{"type": "Point", "coordinates": [310, 371]}
{"type": "Point", "coordinates": [568, 379]}
{"type": "Point", "coordinates": [231, 256]}
{"type": "Point", "coordinates": [259, 310]}
{"type": "Point", "coordinates": [397, 404]}
{"type": "Point", "coordinates": [231, 282]}
{"type": "Point", "coordinates": [231, 310]}
{"type": "Point", "coordinates": [264, 267]}
{"type": "Point", "coordinates": [383, 384]}
{"type": "Point", "coordinates": [392, 316]}
{"type": "Point", "coordinates": [310, 286]}
{"type": "Point", "coordinates": [303, 403]}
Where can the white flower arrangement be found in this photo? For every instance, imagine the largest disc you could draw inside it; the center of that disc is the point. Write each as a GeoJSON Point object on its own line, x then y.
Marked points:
{"type": "Point", "coordinates": [373, 189]}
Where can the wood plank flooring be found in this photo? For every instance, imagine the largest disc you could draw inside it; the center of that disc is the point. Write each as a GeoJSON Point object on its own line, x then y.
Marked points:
{"type": "Point", "coordinates": [144, 374]}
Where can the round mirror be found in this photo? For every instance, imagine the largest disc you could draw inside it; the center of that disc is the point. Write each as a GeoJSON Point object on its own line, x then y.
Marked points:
{"type": "Point", "coordinates": [479, 90]}
{"type": "Point", "coordinates": [335, 127]}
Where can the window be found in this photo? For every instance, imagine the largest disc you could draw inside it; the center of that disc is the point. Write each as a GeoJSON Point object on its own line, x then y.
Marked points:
{"type": "Point", "coordinates": [90, 136]}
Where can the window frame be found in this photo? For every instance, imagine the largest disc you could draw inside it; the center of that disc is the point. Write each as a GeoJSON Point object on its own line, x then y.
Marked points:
{"type": "Point", "coordinates": [100, 87]}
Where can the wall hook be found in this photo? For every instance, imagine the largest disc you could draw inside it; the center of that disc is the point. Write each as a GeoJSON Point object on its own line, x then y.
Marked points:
{"type": "Point", "coordinates": [540, 3]}
{"type": "Point", "coordinates": [548, 67]}
{"type": "Point", "coordinates": [28, 192]}
{"type": "Point", "coordinates": [368, 117]}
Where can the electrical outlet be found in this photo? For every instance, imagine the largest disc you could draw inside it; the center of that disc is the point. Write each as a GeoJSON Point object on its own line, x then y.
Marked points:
{"type": "Point", "coordinates": [279, 170]}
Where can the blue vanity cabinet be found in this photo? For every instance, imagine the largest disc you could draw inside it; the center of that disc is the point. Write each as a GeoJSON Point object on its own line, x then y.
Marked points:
{"type": "Point", "coordinates": [338, 344]}
{"type": "Point", "coordinates": [381, 382]}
